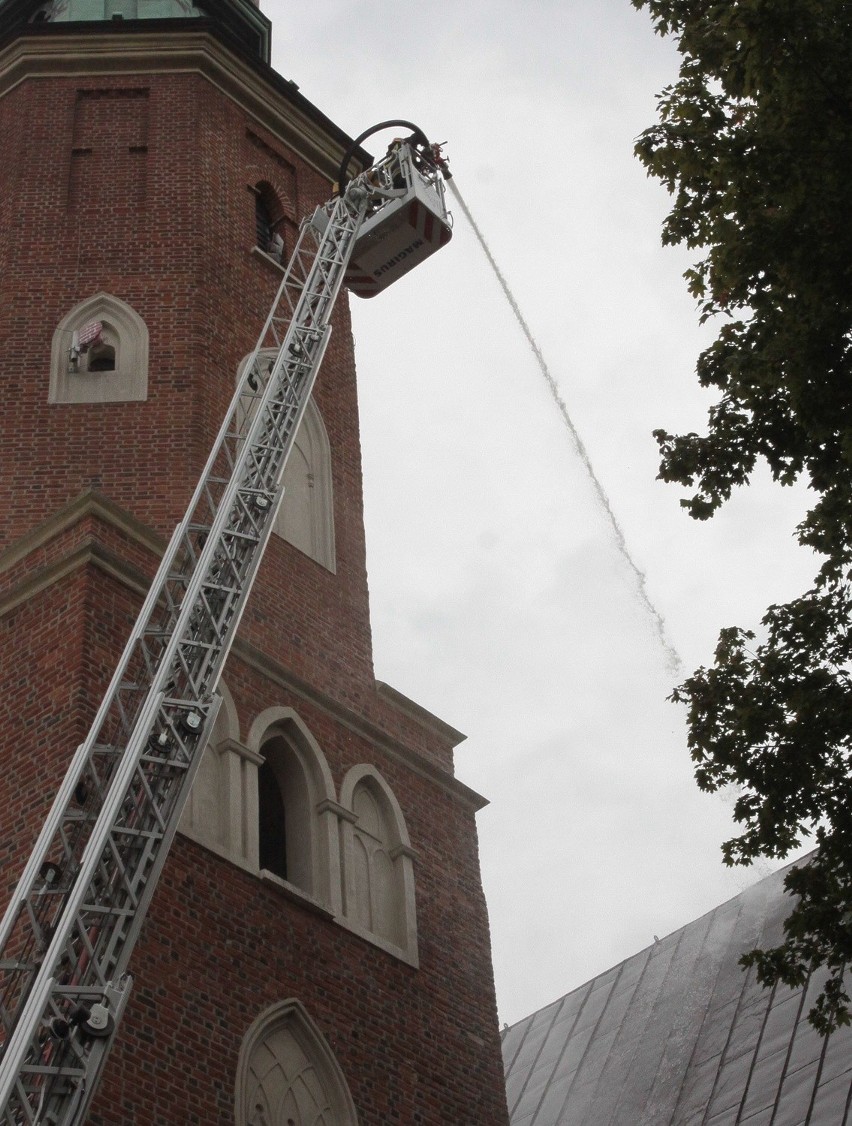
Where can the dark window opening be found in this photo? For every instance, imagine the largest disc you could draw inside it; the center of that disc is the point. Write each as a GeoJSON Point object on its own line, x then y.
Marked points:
{"type": "Point", "coordinates": [262, 222]}
{"type": "Point", "coordinates": [272, 825]}
{"type": "Point", "coordinates": [268, 221]}
{"type": "Point", "coordinates": [101, 358]}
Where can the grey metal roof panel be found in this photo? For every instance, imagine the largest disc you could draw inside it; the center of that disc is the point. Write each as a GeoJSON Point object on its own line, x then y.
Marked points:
{"type": "Point", "coordinates": [680, 1035]}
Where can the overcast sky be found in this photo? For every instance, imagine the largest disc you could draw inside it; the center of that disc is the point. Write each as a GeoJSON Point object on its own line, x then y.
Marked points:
{"type": "Point", "coordinates": [499, 598]}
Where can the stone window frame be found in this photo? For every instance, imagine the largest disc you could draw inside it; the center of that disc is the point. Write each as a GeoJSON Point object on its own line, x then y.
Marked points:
{"type": "Point", "coordinates": [400, 852]}
{"type": "Point", "coordinates": [275, 228]}
{"type": "Point", "coordinates": [222, 812]}
{"type": "Point", "coordinates": [222, 815]}
{"type": "Point", "coordinates": [312, 444]}
{"type": "Point", "coordinates": [318, 815]}
{"type": "Point", "coordinates": [291, 1017]}
{"type": "Point", "coordinates": [219, 812]}
{"type": "Point", "coordinates": [125, 331]}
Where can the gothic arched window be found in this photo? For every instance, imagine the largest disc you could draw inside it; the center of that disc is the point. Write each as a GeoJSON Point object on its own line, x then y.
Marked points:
{"type": "Point", "coordinates": [268, 221]}
{"type": "Point", "coordinates": [271, 820]}
{"type": "Point", "coordinates": [220, 810]}
{"type": "Point", "coordinates": [99, 354]}
{"type": "Point", "coordinates": [288, 1076]}
{"type": "Point", "coordinates": [296, 827]}
{"type": "Point", "coordinates": [285, 814]}
{"type": "Point", "coordinates": [378, 864]}
{"type": "Point", "coordinates": [306, 516]}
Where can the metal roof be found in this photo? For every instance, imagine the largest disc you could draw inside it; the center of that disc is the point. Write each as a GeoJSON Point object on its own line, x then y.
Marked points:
{"type": "Point", "coordinates": [681, 1035]}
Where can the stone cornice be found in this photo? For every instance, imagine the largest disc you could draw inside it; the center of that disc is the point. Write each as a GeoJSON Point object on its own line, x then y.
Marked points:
{"type": "Point", "coordinates": [270, 100]}
{"type": "Point", "coordinates": [88, 503]}
{"type": "Point", "coordinates": [358, 724]}
{"type": "Point", "coordinates": [339, 811]}
{"type": "Point", "coordinates": [240, 750]}
{"type": "Point", "coordinates": [92, 553]}
{"type": "Point", "coordinates": [419, 714]}
{"type": "Point", "coordinates": [89, 553]}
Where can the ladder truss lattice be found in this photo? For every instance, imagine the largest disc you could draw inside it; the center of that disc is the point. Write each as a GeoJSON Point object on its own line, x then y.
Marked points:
{"type": "Point", "coordinates": [67, 936]}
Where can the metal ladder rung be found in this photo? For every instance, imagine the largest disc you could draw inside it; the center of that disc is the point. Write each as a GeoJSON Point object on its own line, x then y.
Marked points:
{"type": "Point", "coordinates": [102, 909]}
{"type": "Point", "coordinates": [235, 535]}
{"type": "Point", "coordinates": [136, 834]}
{"type": "Point", "coordinates": [63, 1071]}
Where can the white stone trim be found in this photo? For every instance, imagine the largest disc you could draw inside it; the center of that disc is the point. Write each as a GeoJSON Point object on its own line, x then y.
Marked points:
{"type": "Point", "coordinates": [356, 775]}
{"type": "Point", "coordinates": [399, 852]}
{"type": "Point", "coordinates": [324, 841]}
{"type": "Point", "coordinates": [233, 832]}
{"type": "Point", "coordinates": [326, 806]}
{"type": "Point", "coordinates": [279, 268]}
{"type": "Point", "coordinates": [125, 331]}
{"type": "Point", "coordinates": [411, 956]}
{"type": "Point", "coordinates": [311, 529]}
{"type": "Point", "coordinates": [296, 894]}
{"type": "Point", "coordinates": [291, 1018]}
{"type": "Point", "coordinates": [222, 780]}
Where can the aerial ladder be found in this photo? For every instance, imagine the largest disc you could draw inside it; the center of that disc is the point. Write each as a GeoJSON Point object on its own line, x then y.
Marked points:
{"type": "Point", "coordinates": [70, 929]}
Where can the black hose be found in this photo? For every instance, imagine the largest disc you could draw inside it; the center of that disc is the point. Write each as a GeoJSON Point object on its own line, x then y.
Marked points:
{"type": "Point", "coordinates": [417, 135]}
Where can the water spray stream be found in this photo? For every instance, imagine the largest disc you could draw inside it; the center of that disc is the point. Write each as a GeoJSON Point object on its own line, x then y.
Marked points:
{"type": "Point", "coordinates": [673, 661]}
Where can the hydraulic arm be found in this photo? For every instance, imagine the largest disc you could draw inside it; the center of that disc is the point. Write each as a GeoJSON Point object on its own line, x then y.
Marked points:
{"type": "Point", "coordinates": [70, 928]}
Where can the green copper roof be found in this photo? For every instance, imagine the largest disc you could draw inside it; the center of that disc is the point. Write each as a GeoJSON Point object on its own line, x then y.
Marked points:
{"type": "Point", "coordinates": [72, 11]}
{"type": "Point", "coordinates": [240, 20]}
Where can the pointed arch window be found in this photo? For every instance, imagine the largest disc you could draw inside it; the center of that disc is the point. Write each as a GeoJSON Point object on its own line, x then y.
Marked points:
{"type": "Point", "coordinates": [288, 1076]}
{"type": "Point", "coordinates": [262, 221]}
{"type": "Point", "coordinates": [271, 820]}
{"type": "Point", "coordinates": [286, 843]}
{"type": "Point", "coordinates": [221, 811]}
{"type": "Point", "coordinates": [269, 222]}
{"type": "Point", "coordinates": [99, 354]}
{"type": "Point", "coordinates": [306, 516]}
{"type": "Point", "coordinates": [296, 827]}
{"type": "Point", "coordinates": [378, 882]}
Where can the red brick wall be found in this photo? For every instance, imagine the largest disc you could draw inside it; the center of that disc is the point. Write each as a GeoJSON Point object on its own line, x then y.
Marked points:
{"type": "Point", "coordinates": [181, 257]}
{"type": "Point", "coordinates": [139, 186]}
{"type": "Point", "coordinates": [415, 1045]}
{"type": "Point", "coordinates": [43, 712]}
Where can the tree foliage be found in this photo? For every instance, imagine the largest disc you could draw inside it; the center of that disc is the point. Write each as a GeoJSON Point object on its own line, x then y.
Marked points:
{"type": "Point", "coordinates": [754, 142]}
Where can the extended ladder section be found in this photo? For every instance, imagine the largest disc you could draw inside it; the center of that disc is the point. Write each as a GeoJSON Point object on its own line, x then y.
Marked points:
{"type": "Point", "coordinates": [69, 931]}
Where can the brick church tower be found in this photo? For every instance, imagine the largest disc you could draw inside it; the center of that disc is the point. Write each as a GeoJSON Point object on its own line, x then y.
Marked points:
{"type": "Point", "coordinates": [317, 950]}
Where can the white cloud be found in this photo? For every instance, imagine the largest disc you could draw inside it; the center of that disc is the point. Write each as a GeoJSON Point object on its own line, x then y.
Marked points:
{"type": "Point", "coordinates": [499, 598]}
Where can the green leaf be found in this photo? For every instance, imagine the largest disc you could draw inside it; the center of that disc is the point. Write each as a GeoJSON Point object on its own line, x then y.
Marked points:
{"type": "Point", "coordinates": [754, 142]}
